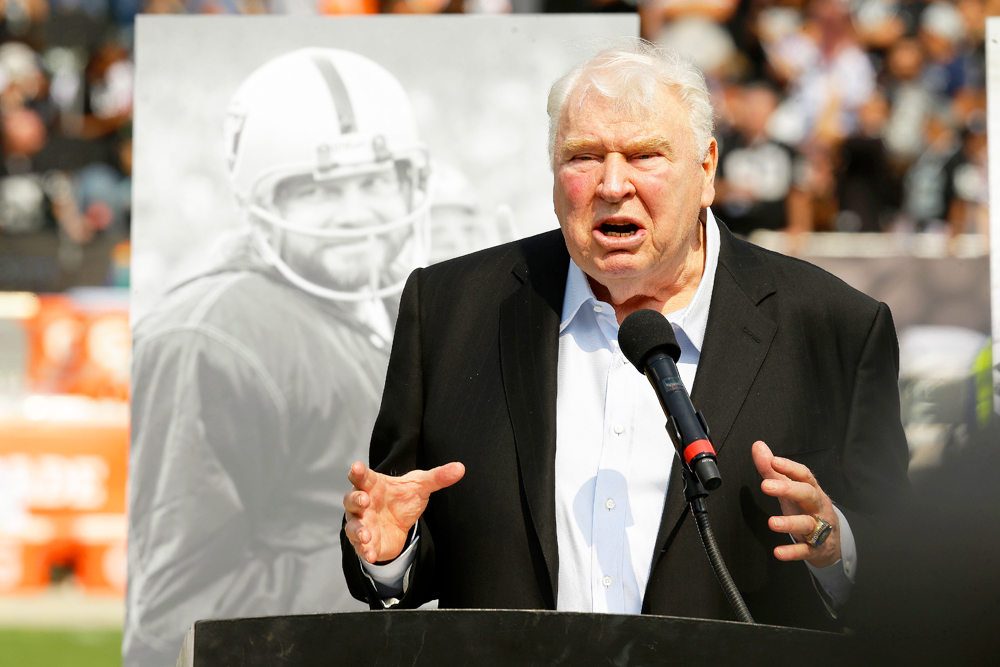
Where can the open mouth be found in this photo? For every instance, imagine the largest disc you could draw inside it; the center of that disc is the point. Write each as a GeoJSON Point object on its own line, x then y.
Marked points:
{"type": "Point", "coordinates": [612, 229]}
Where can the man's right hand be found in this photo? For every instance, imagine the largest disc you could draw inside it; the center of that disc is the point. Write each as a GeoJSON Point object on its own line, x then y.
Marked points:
{"type": "Point", "coordinates": [382, 509]}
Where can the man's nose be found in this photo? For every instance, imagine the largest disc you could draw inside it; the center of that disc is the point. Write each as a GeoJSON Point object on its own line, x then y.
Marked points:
{"type": "Point", "coordinates": [616, 182]}
{"type": "Point", "coordinates": [349, 206]}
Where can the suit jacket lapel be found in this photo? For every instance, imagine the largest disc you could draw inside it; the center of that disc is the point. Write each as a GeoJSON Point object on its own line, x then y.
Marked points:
{"type": "Point", "coordinates": [737, 339]}
{"type": "Point", "coordinates": [529, 354]}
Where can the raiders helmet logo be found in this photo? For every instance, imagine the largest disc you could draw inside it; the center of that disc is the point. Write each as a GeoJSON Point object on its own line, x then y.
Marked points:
{"type": "Point", "coordinates": [232, 129]}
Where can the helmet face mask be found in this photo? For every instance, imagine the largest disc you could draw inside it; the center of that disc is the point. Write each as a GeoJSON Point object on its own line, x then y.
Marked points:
{"type": "Point", "coordinates": [344, 234]}
{"type": "Point", "coordinates": [325, 162]}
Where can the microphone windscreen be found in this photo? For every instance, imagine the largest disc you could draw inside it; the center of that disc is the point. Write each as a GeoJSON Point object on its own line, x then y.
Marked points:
{"type": "Point", "coordinates": [644, 332]}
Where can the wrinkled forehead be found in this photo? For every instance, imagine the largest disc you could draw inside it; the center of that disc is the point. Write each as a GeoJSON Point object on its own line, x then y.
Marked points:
{"type": "Point", "coordinates": [660, 108]}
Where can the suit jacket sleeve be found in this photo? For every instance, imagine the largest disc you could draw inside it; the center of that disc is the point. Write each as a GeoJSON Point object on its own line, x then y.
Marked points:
{"type": "Point", "coordinates": [874, 457]}
{"type": "Point", "coordinates": [395, 449]}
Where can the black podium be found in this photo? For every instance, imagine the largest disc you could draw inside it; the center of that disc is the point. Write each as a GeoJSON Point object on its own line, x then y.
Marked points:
{"type": "Point", "coordinates": [488, 638]}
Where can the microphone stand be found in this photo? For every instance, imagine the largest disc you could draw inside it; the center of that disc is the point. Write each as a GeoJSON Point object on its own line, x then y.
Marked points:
{"type": "Point", "coordinates": [696, 494]}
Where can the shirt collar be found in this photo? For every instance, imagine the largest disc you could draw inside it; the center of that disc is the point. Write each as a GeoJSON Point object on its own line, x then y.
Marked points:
{"type": "Point", "coordinates": [692, 319]}
{"type": "Point", "coordinates": [578, 294]}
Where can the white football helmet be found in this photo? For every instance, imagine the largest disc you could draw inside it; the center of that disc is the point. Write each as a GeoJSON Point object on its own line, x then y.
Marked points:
{"type": "Point", "coordinates": [327, 114]}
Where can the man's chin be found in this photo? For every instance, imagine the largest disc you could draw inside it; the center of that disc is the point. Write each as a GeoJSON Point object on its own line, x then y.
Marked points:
{"type": "Point", "coordinates": [620, 279]}
{"type": "Point", "coordinates": [348, 264]}
{"type": "Point", "coordinates": [617, 267]}
{"type": "Point", "coordinates": [340, 276]}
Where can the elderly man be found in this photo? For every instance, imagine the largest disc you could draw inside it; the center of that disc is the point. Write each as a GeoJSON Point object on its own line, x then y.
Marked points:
{"type": "Point", "coordinates": [506, 374]}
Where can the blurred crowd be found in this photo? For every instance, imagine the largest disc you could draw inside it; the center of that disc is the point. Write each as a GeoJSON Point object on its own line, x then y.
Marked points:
{"type": "Point", "coordinates": [834, 115]}
{"type": "Point", "coordinates": [838, 115]}
{"type": "Point", "coordinates": [66, 82]}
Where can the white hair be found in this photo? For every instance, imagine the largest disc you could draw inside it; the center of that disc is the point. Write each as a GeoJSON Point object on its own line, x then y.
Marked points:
{"type": "Point", "coordinates": [631, 72]}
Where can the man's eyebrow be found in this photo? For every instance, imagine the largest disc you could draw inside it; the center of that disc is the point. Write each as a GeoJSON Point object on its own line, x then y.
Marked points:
{"type": "Point", "coordinates": [572, 145]}
{"type": "Point", "coordinates": [644, 145]}
{"type": "Point", "coordinates": [651, 145]}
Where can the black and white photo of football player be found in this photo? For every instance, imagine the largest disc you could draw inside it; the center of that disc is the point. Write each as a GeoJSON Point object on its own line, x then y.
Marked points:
{"type": "Point", "coordinates": [258, 380]}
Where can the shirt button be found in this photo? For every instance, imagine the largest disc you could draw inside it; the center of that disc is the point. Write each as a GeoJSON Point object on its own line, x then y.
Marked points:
{"type": "Point", "coordinates": [598, 309]}
{"type": "Point", "coordinates": [610, 503]}
{"type": "Point", "coordinates": [606, 581]}
{"type": "Point", "coordinates": [619, 429]}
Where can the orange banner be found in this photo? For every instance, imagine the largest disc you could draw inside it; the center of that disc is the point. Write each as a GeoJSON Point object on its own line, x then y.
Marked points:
{"type": "Point", "coordinates": [62, 497]}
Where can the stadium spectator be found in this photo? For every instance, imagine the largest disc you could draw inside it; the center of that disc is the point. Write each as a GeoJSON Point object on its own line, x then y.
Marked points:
{"type": "Point", "coordinates": [967, 190]}
{"type": "Point", "coordinates": [756, 184]}
{"type": "Point", "coordinates": [829, 76]}
{"type": "Point", "coordinates": [867, 188]}
{"type": "Point", "coordinates": [910, 100]}
{"type": "Point", "coordinates": [926, 188]}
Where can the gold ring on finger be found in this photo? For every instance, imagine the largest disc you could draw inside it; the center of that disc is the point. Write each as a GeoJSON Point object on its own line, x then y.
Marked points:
{"type": "Point", "coordinates": [820, 532]}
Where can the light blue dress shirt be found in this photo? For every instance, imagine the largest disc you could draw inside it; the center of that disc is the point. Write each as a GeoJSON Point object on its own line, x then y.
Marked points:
{"type": "Point", "coordinates": [613, 455]}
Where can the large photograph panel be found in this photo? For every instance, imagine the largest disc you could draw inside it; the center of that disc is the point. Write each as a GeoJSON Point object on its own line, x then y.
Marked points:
{"type": "Point", "coordinates": [289, 173]}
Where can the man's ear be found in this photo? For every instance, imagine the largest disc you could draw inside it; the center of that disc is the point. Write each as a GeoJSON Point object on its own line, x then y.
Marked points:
{"type": "Point", "coordinates": [708, 165]}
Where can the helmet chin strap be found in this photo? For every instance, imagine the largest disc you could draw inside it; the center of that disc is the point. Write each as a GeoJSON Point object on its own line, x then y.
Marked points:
{"type": "Point", "coordinates": [373, 290]}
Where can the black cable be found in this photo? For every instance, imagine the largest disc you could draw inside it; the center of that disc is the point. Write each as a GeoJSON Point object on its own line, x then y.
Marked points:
{"type": "Point", "coordinates": [719, 565]}
{"type": "Point", "coordinates": [696, 494]}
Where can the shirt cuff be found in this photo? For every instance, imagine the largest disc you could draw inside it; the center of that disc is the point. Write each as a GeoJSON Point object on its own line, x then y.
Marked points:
{"type": "Point", "coordinates": [836, 579]}
{"type": "Point", "coordinates": [389, 579]}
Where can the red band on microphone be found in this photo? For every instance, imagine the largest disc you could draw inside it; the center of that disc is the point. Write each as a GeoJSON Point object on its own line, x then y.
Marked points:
{"type": "Point", "coordinates": [698, 447]}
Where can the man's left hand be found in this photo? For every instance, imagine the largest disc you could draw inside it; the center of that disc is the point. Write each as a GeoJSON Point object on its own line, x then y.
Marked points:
{"type": "Point", "coordinates": [801, 499]}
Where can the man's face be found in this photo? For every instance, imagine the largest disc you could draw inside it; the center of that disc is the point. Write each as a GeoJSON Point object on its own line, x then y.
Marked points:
{"type": "Point", "coordinates": [354, 203]}
{"type": "Point", "coordinates": [628, 191]}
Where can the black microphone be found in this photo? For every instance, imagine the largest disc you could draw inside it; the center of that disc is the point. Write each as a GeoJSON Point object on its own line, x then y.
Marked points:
{"type": "Point", "coordinates": [648, 341]}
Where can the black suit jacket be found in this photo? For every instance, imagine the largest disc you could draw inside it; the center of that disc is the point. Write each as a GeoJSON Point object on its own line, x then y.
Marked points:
{"type": "Point", "coordinates": [791, 356]}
